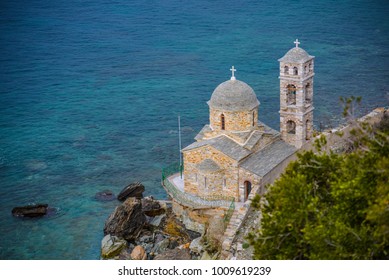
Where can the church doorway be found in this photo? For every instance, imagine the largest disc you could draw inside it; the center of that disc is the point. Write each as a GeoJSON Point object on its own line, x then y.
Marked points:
{"type": "Point", "coordinates": [247, 189]}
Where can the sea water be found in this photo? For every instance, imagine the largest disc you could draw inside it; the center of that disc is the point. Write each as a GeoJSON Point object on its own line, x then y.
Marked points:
{"type": "Point", "coordinates": [90, 92]}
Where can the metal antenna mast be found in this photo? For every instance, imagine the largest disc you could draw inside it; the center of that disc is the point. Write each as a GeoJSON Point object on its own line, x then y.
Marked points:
{"type": "Point", "coordinates": [179, 143]}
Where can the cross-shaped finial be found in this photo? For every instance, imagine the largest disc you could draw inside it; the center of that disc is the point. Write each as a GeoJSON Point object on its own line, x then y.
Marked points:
{"type": "Point", "coordinates": [233, 74]}
{"type": "Point", "coordinates": [297, 43]}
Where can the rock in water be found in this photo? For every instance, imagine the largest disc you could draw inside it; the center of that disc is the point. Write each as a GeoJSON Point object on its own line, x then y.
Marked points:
{"type": "Point", "coordinates": [30, 210]}
{"type": "Point", "coordinates": [132, 190]}
{"type": "Point", "coordinates": [152, 207]}
{"type": "Point", "coordinates": [175, 254]}
{"type": "Point", "coordinates": [138, 253]}
{"type": "Point", "coordinates": [105, 195]}
{"type": "Point", "coordinates": [111, 246]}
{"type": "Point", "coordinates": [127, 220]}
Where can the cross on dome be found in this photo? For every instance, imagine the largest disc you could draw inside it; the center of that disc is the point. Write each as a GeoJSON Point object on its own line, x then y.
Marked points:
{"type": "Point", "coordinates": [297, 43]}
{"type": "Point", "coordinates": [233, 74]}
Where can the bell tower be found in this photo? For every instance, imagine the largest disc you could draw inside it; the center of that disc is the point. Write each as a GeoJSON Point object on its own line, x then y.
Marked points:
{"type": "Point", "coordinates": [296, 96]}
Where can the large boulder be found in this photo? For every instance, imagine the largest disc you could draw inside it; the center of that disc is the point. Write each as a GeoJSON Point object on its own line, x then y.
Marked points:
{"type": "Point", "coordinates": [127, 220]}
{"type": "Point", "coordinates": [105, 195]}
{"type": "Point", "coordinates": [152, 207]}
{"type": "Point", "coordinates": [111, 246]}
{"type": "Point", "coordinates": [138, 253]}
{"type": "Point", "coordinates": [132, 190]}
{"type": "Point", "coordinates": [175, 254]}
{"type": "Point", "coordinates": [31, 211]}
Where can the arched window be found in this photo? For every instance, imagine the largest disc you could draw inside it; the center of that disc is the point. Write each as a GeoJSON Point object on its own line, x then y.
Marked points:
{"type": "Point", "coordinates": [223, 122]}
{"type": "Point", "coordinates": [295, 71]}
{"type": "Point", "coordinates": [307, 130]}
{"type": "Point", "coordinates": [305, 69]}
{"type": "Point", "coordinates": [286, 70]}
{"type": "Point", "coordinates": [291, 95]}
{"type": "Point", "coordinates": [253, 118]}
{"type": "Point", "coordinates": [291, 127]}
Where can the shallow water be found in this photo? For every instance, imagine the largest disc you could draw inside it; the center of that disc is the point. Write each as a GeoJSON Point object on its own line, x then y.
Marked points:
{"type": "Point", "coordinates": [90, 92]}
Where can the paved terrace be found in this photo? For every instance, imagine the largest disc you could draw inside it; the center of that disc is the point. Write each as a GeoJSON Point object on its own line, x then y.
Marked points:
{"type": "Point", "coordinates": [174, 186]}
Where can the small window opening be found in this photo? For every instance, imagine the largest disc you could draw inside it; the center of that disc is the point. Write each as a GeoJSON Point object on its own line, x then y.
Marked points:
{"type": "Point", "coordinates": [286, 70]}
{"type": "Point", "coordinates": [291, 127]}
{"type": "Point", "coordinates": [295, 71]}
{"type": "Point", "coordinates": [307, 130]}
{"type": "Point", "coordinates": [223, 122]}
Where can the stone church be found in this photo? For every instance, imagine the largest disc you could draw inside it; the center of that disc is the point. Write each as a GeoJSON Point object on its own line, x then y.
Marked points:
{"type": "Point", "coordinates": [236, 153]}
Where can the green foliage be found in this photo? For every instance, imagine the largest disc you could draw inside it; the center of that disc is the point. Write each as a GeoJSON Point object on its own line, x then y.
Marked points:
{"type": "Point", "coordinates": [329, 206]}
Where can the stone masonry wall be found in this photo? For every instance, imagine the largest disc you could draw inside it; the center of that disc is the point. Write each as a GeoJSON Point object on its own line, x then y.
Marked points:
{"type": "Point", "coordinates": [234, 121]}
{"type": "Point", "coordinates": [214, 181]}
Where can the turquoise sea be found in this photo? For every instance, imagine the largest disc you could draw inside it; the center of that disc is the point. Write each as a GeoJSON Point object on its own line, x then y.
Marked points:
{"type": "Point", "coordinates": [90, 92]}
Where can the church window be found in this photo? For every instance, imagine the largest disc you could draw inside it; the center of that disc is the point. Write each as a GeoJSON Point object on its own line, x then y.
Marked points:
{"type": "Point", "coordinates": [295, 71]}
{"type": "Point", "coordinates": [307, 93]}
{"type": "Point", "coordinates": [253, 118]}
{"type": "Point", "coordinates": [286, 70]}
{"type": "Point", "coordinates": [291, 127]}
{"type": "Point", "coordinates": [291, 95]}
{"type": "Point", "coordinates": [223, 122]}
{"type": "Point", "coordinates": [305, 69]}
{"type": "Point", "coordinates": [307, 130]}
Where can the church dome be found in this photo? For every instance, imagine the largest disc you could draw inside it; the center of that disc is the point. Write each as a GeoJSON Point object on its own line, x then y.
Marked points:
{"type": "Point", "coordinates": [233, 95]}
{"type": "Point", "coordinates": [296, 55]}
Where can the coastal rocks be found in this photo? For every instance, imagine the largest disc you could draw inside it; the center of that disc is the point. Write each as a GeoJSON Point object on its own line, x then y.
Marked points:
{"type": "Point", "coordinates": [175, 228]}
{"type": "Point", "coordinates": [111, 246]}
{"type": "Point", "coordinates": [31, 211]}
{"type": "Point", "coordinates": [149, 235]}
{"type": "Point", "coordinates": [105, 195]}
{"type": "Point", "coordinates": [175, 254]}
{"type": "Point", "coordinates": [157, 220]}
{"type": "Point", "coordinates": [132, 190]}
{"type": "Point", "coordinates": [161, 246]}
{"type": "Point", "coordinates": [196, 246]}
{"type": "Point", "coordinates": [152, 207]}
{"type": "Point", "coordinates": [138, 253]}
{"type": "Point", "coordinates": [127, 220]}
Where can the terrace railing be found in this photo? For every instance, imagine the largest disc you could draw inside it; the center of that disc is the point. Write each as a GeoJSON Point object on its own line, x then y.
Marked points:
{"type": "Point", "coordinates": [205, 201]}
